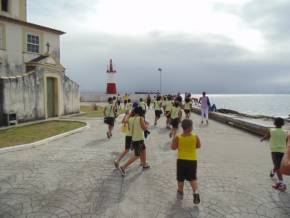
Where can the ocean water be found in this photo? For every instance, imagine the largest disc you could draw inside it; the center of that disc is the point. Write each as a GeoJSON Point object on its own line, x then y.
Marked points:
{"type": "Point", "coordinates": [268, 104]}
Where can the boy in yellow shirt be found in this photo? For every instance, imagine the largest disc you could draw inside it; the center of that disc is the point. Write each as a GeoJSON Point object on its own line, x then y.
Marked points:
{"type": "Point", "coordinates": [187, 144]}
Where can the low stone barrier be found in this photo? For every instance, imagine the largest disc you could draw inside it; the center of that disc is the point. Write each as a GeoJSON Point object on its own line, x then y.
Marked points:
{"type": "Point", "coordinates": [251, 127]}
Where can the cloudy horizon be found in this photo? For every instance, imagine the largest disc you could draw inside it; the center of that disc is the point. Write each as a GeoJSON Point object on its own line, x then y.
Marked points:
{"type": "Point", "coordinates": [222, 46]}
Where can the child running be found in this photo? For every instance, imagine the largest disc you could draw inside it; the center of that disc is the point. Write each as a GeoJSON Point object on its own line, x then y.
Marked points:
{"type": "Point", "coordinates": [278, 143]}
{"type": "Point", "coordinates": [157, 108]}
{"type": "Point", "coordinates": [168, 107]}
{"type": "Point", "coordinates": [137, 128]}
{"type": "Point", "coordinates": [129, 106]}
{"type": "Point", "coordinates": [142, 105]}
{"type": "Point", "coordinates": [128, 139]}
{"type": "Point", "coordinates": [109, 114]}
{"type": "Point", "coordinates": [187, 107]}
{"type": "Point", "coordinates": [187, 144]}
{"type": "Point", "coordinates": [175, 117]}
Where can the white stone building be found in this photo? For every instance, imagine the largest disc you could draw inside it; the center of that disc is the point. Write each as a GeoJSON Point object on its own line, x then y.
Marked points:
{"type": "Point", "coordinates": [33, 84]}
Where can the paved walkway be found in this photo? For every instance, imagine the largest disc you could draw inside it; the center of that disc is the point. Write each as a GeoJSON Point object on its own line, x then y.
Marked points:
{"type": "Point", "coordinates": [75, 177]}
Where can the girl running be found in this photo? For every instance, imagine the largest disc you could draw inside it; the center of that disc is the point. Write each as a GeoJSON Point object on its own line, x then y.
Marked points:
{"type": "Point", "coordinates": [137, 128]}
{"type": "Point", "coordinates": [187, 107]}
{"type": "Point", "coordinates": [109, 114]}
{"type": "Point", "coordinates": [176, 115]}
{"type": "Point", "coordinates": [157, 108]}
{"type": "Point", "coordinates": [168, 107]}
{"type": "Point", "coordinates": [128, 139]}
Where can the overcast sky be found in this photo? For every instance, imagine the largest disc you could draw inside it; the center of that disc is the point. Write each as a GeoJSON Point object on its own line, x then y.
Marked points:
{"type": "Point", "coordinates": [222, 46]}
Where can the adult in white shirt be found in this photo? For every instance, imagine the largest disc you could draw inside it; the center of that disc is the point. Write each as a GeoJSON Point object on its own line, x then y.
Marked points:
{"type": "Point", "coordinates": [204, 105]}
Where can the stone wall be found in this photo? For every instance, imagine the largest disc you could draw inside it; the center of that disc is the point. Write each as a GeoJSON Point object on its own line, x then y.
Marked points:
{"type": "Point", "coordinates": [24, 96]}
{"type": "Point", "coordinates": [71, 96]}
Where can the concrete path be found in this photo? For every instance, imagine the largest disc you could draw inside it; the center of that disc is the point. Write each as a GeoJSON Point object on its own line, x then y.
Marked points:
{"type": "Point", "coordinates": [75, 177]}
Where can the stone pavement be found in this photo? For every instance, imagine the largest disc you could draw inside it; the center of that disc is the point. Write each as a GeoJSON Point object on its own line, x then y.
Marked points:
{"type": "Point", "coordinates": [75, 177]}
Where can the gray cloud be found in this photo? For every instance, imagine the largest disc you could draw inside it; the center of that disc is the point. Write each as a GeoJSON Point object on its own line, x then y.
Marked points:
{"type": "Point", "coordinates": [189, 64]}
{"type": "Point", "coordinates": [213, 62]}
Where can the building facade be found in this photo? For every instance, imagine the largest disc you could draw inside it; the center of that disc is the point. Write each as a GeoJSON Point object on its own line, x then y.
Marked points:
{"type": "Point", "coordinates": [33, 84]}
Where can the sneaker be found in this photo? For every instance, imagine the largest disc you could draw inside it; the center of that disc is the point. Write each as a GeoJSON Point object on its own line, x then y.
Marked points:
{"type": "Point", "coordinates": [116, 163]}
{"type": "Point", "coordinates": [145, 167]}
{"type": "Point", "coordinates": [196, 198]}
{"type": "Point", "coordinates": [179, 195]}
{"type": "Point", "coordinates": [179, 192]}
{"type": "Point", "coordinates": [108, 135]}
{"type": "Point", "coordinates": [272, 173]}
{"type": "Point", "coordinates": [279, 186]}
{"type": "Point", "coordinates": [122, 171]}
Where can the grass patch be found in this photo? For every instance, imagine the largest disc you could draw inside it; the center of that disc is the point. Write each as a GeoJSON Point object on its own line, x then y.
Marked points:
{"type": "Point", "coordinates": [35, 132]}
{"type": "Point", "coordinates": [91, 111]}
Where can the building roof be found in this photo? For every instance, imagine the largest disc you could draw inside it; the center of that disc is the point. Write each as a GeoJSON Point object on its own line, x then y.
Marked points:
{"type": "Point", "coordinates": [36, 26]}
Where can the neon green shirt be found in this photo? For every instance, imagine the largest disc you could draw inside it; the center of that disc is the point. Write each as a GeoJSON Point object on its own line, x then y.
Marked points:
{"type": "Point", "coordinates": [278, 140]}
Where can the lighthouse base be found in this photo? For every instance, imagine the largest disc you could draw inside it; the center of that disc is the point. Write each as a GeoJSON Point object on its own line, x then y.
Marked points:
{"type": "Point", "coordinates": [111, 88]}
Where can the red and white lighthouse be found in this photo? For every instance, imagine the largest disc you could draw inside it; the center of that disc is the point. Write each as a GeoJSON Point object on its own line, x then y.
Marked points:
{"type": "Point", "coordinates": [111, 84]}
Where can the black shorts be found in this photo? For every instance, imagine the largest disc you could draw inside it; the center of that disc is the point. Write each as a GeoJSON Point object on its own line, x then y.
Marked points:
{"type": "Point", "coordinates": [186, 111]}
{"type": "Point", "coordinates": [128, 142]}
{"type": "Point", "coordinates": [168, 114]}
{"type": "Point", "coordinates": [175, 123]}
{"type": "Point", "coordinates": [125, 101]}
{"type": "Point", "coordinates": [138, 147]}
{"type": "Point", "coordinates": [158, 113]}
{"type": "Point", "coordinates": [277, 159]}
{"type": "Point", "coordinates": [186, 170]}
{"type": "Point", "coordinates": [119, 103]}
{"type": "Point", "coordinates": [110, 121]}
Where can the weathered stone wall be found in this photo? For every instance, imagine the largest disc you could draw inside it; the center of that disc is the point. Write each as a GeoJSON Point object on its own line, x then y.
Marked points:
{"type": "Point", "coordinates": [71, 96]}
{"type": "Point", "coordinates": [24, 96]}
{"type": "Point", "coordinates": [1, 102]}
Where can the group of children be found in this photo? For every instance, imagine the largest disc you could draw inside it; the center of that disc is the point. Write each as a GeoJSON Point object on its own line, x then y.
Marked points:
{"type": "Point", "coordinates": [137, 129]}
{"type": "Point", "coordinates": [186, 143]}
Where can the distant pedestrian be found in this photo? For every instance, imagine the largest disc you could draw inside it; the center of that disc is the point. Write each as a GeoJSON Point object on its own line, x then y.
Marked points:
{"type": "Point", "coordinates": [109, 114]}
{"type": "Point", "coordinates": [137, 128]}
{"type": "Point", "coordinates": [129, 106]}
{"type": "Point", "coordinates": [168, 108]}
{"type": "Point", "coordinates": [187, 107]}
{"type": "Point", "coordinates": [204, 105]}
{"type": "Point", "coordinates": [175, 118]}
{"type": "Point", "coordinates": [157, 108]}
{"type": "Point", "coordinates": [118, 102]}
{"type": "Point", "coordinates": [187, 144]}
{"type": "Point", "coordinates": [142, 105]}
{"type": "Point", "coordinates": [278, 142]}
{"type": "Point", "coordinates": [148, 101]}
{"type": "Point", "coordinates": [126, 99]}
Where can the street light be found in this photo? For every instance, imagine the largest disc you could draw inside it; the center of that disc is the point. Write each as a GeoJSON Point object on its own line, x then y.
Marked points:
{"type": "Point", "coordinates": [160, 85]}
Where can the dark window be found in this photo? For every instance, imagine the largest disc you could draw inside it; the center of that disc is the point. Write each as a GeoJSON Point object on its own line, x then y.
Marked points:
{"type": "Point", "coordinates": [5, 5]}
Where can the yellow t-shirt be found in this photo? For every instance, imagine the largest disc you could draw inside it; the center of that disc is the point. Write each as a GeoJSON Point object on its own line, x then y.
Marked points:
{"type": "Point", "coordinates": [136, 130]}
{"type": "Point", "coordinates": [175, 112]}
{"type": "Point", "coordinates": [157, 105]}
{"type": "Point", "coordinates": [168, 106]}
{"type": "Point", "coordinates": [187, 149]}
{"type": "Point", "coordinates": [188, 106]}
{"type": "Point", "coordinates": [110, 111]}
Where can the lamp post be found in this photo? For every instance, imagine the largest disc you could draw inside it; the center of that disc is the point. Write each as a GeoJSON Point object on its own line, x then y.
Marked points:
{"type": "Point", "coordinates": [160, 85]}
